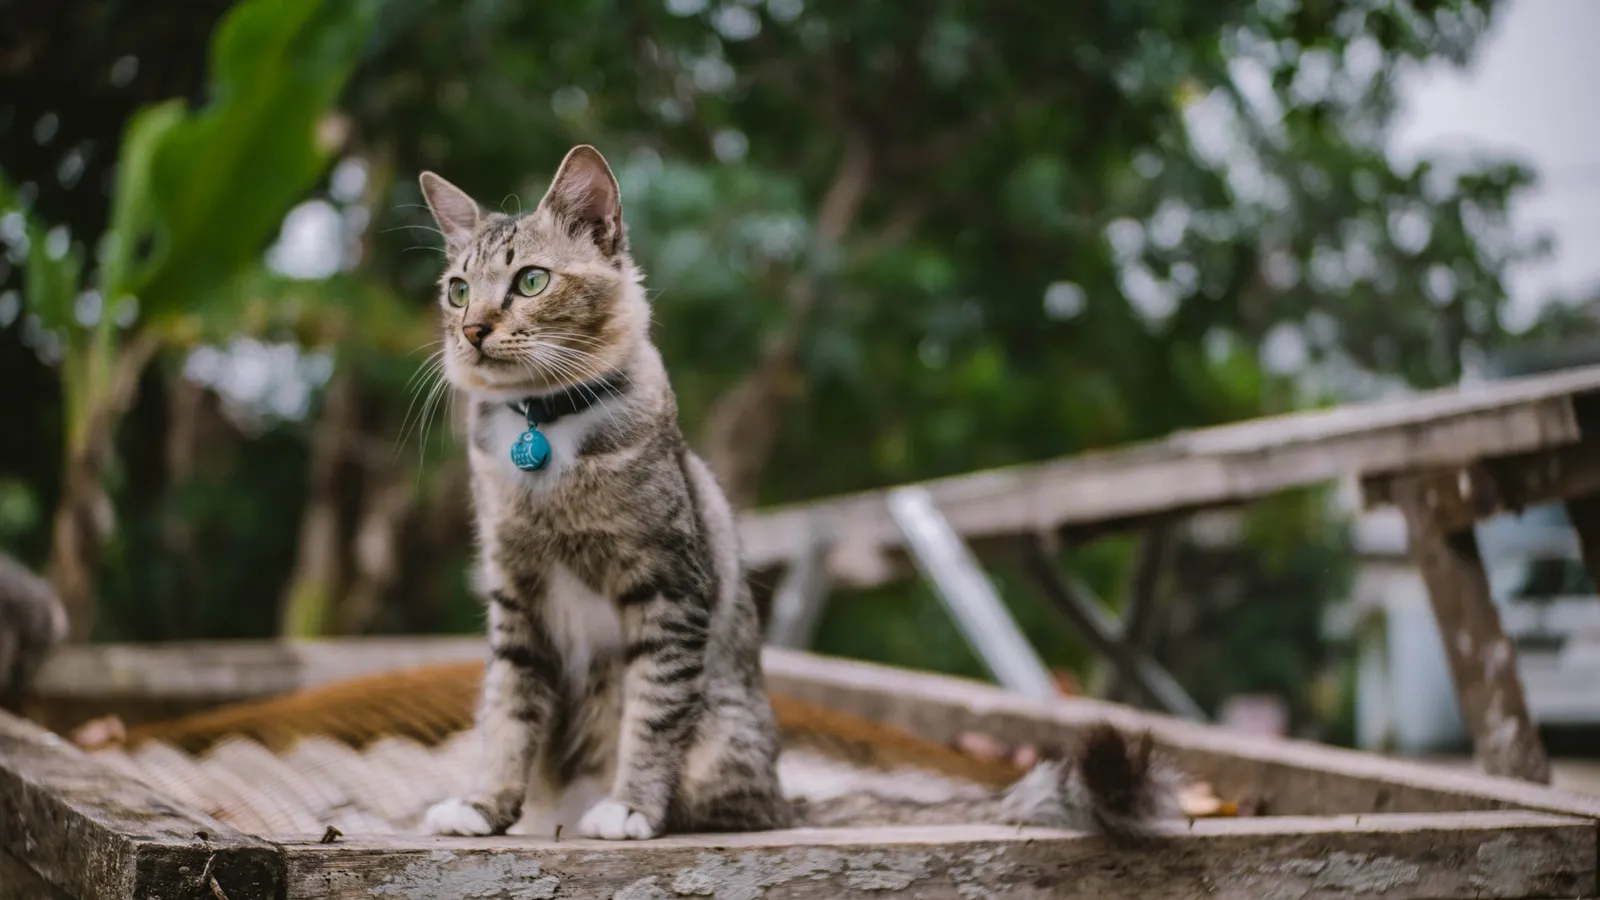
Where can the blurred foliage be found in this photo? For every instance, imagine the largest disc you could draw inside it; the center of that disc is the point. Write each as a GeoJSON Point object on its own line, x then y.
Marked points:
{"type": "Point", "coordinates": [994, 233]}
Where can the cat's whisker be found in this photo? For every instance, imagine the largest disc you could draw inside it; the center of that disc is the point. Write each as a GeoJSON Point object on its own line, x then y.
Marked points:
{"type": "Point", "coordinates": [580, 381]}
{"type": "Point", "coordinates": [425, 380]}
{"type": "Point", "coordinates": [569, 373]}
{"type": "Point", "coordinates": [420, 227]}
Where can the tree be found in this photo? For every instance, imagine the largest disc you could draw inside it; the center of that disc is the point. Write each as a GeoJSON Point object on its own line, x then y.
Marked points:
{"type": "Point", "coordinates": [238, 163]}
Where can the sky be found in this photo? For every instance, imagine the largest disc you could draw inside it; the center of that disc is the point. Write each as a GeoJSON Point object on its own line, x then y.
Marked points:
{"type": "Point", "coordinates": [1533, 92]}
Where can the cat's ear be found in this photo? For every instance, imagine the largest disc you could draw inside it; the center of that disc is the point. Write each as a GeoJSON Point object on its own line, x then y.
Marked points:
{"type": "Point", "coordinates": [586, 193]}
{"type": "Point", "coordinates": [456, 212]}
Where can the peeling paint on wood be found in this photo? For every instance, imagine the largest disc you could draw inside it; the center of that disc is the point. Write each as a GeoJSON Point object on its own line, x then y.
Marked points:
{"type": "Point", "coordinates": [1504, 855]}
{"type": "Point", "coordinates": [90, 832]}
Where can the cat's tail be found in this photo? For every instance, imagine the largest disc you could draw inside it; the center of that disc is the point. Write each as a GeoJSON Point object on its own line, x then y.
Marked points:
{"type": "Point", "coordinates": [1108, 785]}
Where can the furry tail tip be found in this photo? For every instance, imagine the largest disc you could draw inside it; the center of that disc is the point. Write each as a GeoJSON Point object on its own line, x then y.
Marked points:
{"type": "Point", "coordinates": [1110, 785]}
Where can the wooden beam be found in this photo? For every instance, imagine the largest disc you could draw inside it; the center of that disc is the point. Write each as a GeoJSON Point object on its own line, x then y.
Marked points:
{"type": "Point", "coordinates": [1288, 777]}
{"type": "Point", "coordinates": [225, 671]}
{"type": "Point", "coordinates": [91, 833]}
{"type": "Point", "coordinates": [1294, 777]}
{"type": "Point", "coordinates": [967, 594]}
{"type": "Point", "coordinates": [18, 881]}
{"type": "Point", "coordinates": [1074, 602]}
{"type": "Point", "coordinates": [1138, 616]}
{"type": "Point", "coordinates": [1202, 469]}
{"type": "Point", "coordinates": [1459, 497]}
{"type": "Point", "coordinates": [1395, 857]}
{"type": "Point", "coordinates": [798, 603]}
{"type": "Point", "coordinates": [1483, 661]}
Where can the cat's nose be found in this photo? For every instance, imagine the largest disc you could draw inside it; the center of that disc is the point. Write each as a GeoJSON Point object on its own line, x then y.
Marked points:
{"type": "Point", "coordinates": [476, 332]}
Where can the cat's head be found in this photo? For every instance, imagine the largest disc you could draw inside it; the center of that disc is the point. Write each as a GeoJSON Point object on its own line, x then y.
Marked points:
{"type": "Point", "coordinates": [541, 300]}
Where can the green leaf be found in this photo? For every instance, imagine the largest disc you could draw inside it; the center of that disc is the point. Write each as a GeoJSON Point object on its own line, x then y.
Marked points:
{"type": "Point", "coordinates": [221, 179]}
{"type": "Point", "coordinates": [132, 206]}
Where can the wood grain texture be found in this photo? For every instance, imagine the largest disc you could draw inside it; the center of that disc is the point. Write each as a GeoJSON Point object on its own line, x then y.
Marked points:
{"type": "Point", "coordinates": [222, 671]}
{"type": "Point", "coordinates": [18, 881]}
{"type": "Point", "coordinates": [1293, 777]}
{"type": "Point", "coordinates": [1287, 777]}
{"type": "Point", "coordinates": [1195, 470]}
{"type": "Point", "coordinates": [1459, 497]}
{"type": "Point", "coordinates": [1395, 857]}
{"type": "Point", "coordinates": [1483, 661]}
{"type": "Point", "coordinates": [90, 832]}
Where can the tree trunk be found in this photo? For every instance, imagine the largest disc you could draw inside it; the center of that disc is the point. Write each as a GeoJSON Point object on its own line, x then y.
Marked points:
{"type": "Point", "coordinates": [742, 426]}
{"type": "Point", "coordinates": [84, 517]}
{"type": "Point", "coordinates": [319, 571]}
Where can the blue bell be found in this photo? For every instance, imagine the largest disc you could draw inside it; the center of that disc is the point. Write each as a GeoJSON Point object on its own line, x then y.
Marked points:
{"type": "Point", "coordinates": [531, 451]}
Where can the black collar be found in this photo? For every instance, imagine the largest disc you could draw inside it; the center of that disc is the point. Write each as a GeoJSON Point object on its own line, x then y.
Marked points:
{"type": "Point", "coordinates": [546, 408]}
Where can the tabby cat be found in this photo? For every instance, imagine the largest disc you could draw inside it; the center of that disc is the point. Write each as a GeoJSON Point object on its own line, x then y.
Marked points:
{"type": "Point", "coordinates": [625, 648]}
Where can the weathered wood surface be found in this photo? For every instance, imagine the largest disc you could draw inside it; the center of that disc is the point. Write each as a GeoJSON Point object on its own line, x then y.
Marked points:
{"type": "Point", "coordinates": [1483, 661]}
{"type": "Point", "coordinates": [20, 882]}
{"type": "Point", "coordinates": [1287, 777]}
{"type": "Point", "coordinates": [1198, 469]}
{"type": "Point", "coordinates": [1393, 857]}
{"type": "Point", "coordinates": [1458, 497]}
{"type": "Point", "coordinates": [236, 670]}
{"type": "Point", "coordinates": [966, 592]}
{"type": "Point", "coordinates": [91, 833]}
{"type": "Point", "coordinates": [1294, 777]}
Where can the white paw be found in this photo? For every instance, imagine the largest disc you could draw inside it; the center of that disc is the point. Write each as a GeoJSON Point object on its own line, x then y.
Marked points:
{"type": "Point", "coordinates": [454, 816]}
{"type": "Point", "coordinates": [610, 820]}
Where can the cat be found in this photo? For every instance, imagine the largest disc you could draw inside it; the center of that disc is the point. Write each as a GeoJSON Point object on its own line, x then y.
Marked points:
{"type": "Point", "coordinates": [624, 644]}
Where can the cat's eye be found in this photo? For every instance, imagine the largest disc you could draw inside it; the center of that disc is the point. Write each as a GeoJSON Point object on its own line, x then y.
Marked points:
{"type": "Point", "coordinates": [532, 281]}
{"type": "Point", "coordinates": [457, 293]}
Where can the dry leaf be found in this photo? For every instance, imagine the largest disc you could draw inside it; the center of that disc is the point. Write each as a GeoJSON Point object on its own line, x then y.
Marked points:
{"type": "Point", "coordinates": [980, 746]}
{"type": "Point", "coordinates": [1199, 801]}
{"type": "Point", "coordinates": [97, 733]}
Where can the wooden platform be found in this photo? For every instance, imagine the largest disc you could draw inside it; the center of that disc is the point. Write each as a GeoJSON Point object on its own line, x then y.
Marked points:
{"type": "Point", "coordinates": [1334, 824]}
{"type": "Point", "coordinates": [1447, 459]}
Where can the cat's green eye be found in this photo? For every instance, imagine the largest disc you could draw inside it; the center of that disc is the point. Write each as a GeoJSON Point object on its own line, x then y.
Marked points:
{"type": "Point", "coordinates": [532, 281]}
{"type": "Point", "coordinates": [457, 293]}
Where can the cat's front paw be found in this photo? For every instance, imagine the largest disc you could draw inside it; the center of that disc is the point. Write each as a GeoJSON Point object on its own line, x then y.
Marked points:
{"type": "Point", "coordinates": [456, 816]}
{"type": "Point", "coordinates": [613, 820]}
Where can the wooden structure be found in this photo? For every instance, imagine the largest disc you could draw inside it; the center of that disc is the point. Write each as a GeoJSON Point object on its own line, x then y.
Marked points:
{"type": "Point", "coordinates": [1330, 823]}
{"type": "Point", "coordinates": [1446, 458]}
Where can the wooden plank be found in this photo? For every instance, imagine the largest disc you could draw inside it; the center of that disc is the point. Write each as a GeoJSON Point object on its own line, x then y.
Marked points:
{"type": "Point", "coordinates": [1138, 618]}
{"type": "Point", "coordinates": [798, 603]}
{"type": "Point", "coordinates": [1288, 777]}
{"type": "Point", "coordinates": [1074, 601]}
{"type": "Point", "coordinates": [1394, 857]}
{"type": "Point", "coordinates": [968, 595]}
{"type": "Point", "coordinates": [18, 881]}
{"type": "Point", "coordinates": [92, 833]}
{"type": "Point", "coordinates": [1294, 777]}
{"type": "Point", "coordinates": [225, 671]}
{"type": "Point", "coordinates": [1483, 661]}
{"type": "Point", "coordinates": [1459, 497]}
{"type": "Point", "coordinates": [1196, 470]}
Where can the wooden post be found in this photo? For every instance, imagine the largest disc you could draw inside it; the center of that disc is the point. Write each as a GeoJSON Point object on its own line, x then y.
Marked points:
{"type": "Point", "coordinates": [1138, 616]}
{"type": "Point", "coordinates": [961, 584]}
{"type": "Point", "coordinates": [1483, 662]}
{"type": "Point", "coordinates": [799, 601]}
{"type": "Point", "coordinates": [1076, 603]}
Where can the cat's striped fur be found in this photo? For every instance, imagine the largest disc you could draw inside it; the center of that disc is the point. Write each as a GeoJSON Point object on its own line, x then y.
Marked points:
{"type": "Point", "coordinates": [625, 646]}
